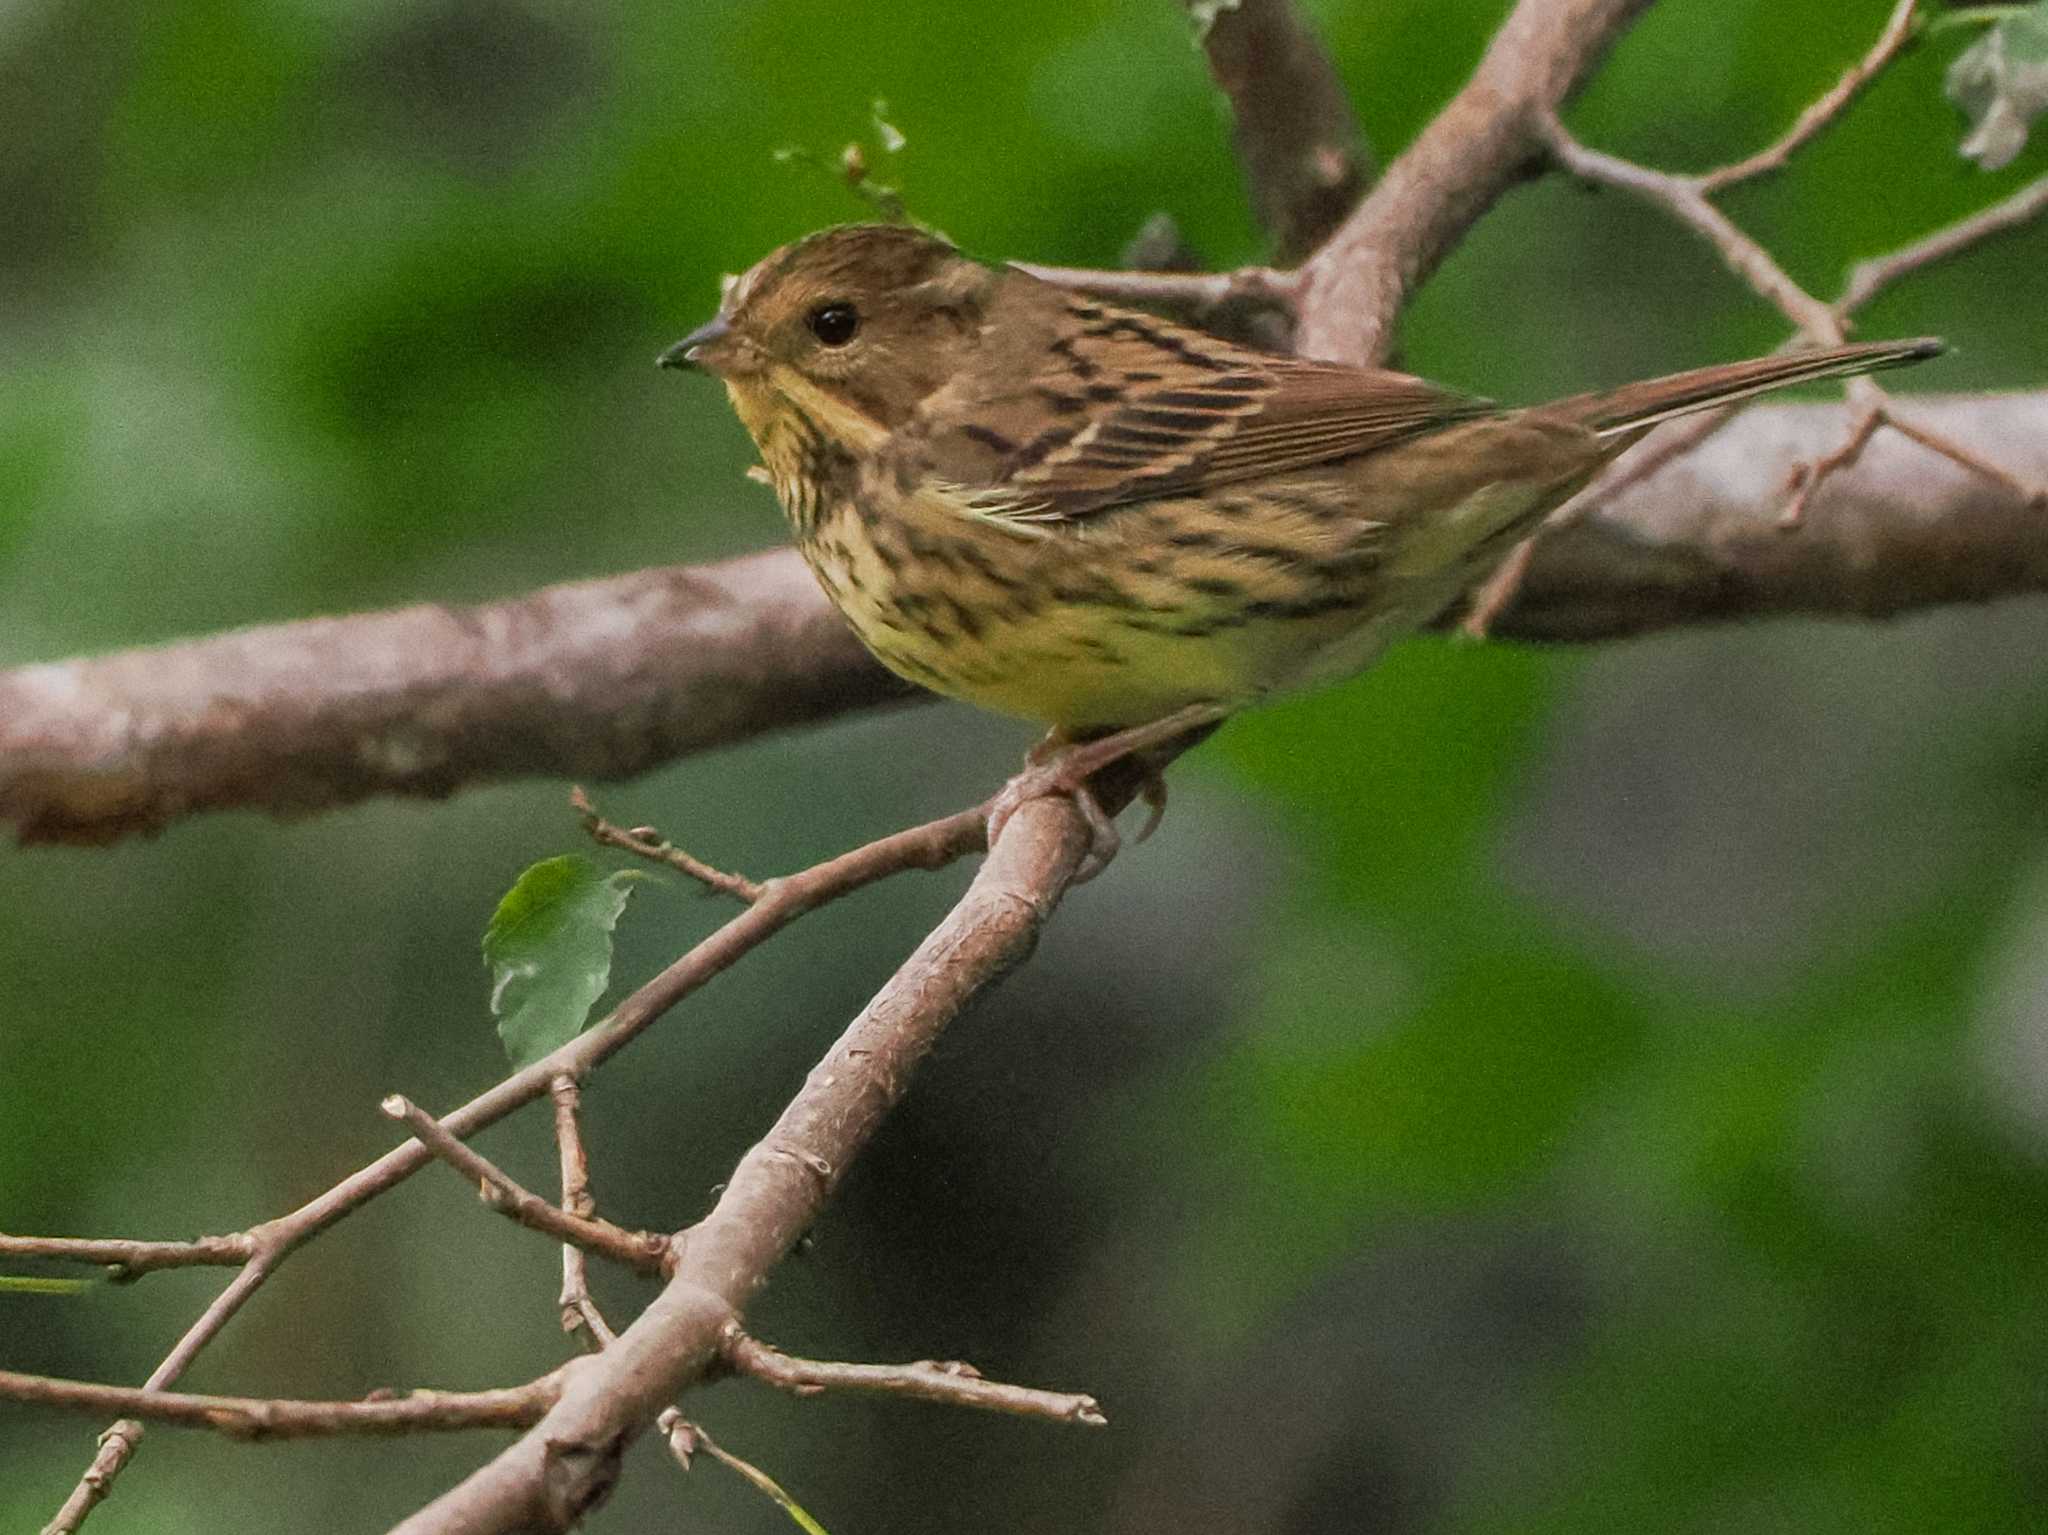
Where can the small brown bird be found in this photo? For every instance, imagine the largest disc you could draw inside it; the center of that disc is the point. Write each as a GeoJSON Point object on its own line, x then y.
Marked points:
{"type": "Point", "coordinates": [1097, 519]}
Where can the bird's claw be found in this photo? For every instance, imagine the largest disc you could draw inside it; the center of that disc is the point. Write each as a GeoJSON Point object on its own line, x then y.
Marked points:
{"type": "Point", "coordinates": [1054, 778]}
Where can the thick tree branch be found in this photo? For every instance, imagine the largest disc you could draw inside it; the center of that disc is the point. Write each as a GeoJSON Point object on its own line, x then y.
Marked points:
{"type": "Point", "coordinates": [1304, 158]}
{"type": "Point", "coordinates": [566, 1463]}
{"type": "Point", "coordinates": [271, 718]}
{"type": "Point", "coordinates": [1702, 539]}
{"type": "Point", "coordinates": [1487, 139]}
{"type": "Point", "coordinates": [302, 717]}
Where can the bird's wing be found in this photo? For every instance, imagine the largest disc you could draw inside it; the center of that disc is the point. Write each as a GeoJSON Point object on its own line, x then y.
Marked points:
{"type": "Point", "coordinates": [1125, 407]}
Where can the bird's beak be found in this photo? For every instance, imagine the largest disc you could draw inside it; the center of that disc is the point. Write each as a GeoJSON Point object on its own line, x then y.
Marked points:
{"type": "Point", "coordinates": [692, 350]}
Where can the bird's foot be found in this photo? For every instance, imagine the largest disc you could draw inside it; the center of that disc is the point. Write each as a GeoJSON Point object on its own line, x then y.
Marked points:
{"type": "Point", "coordinates": [1059, 768]}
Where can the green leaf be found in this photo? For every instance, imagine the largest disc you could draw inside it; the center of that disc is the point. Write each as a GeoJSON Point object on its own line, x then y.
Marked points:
{"type": "Point", "coordinates": [2001, 83]}
{"type": "Point", "coordinates": [549, 948]}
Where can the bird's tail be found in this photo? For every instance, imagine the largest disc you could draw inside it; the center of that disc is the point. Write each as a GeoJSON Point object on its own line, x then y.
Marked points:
{"type": "Point", "coordinates": [1635, 406]}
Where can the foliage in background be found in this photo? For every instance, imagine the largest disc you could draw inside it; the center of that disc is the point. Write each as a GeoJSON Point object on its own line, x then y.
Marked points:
{"type": "Point", "coordinates": [1515, 1092]}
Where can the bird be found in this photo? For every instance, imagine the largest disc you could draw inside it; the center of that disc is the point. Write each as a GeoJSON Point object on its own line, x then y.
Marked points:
{"type": "Point", "coordinates": [1123, 528]}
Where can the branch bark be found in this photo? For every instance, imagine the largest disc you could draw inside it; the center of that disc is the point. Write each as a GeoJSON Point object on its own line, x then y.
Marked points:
{"type": "Point", "coordinates": [565, 1465]}
{"type": "Point", "coordinates": [612, 678]}
{"type": "Point", "coordinates": [580, 680]}
{"type": "Point", "coordinates": [1303, 155]}
{"type": "Point", "coordinates": [1485, 141]}
{"type": "Point", "coordinates": [1702, 540]}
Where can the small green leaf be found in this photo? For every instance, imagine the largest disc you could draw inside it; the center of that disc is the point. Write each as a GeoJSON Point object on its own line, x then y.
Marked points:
{"type": "Point", "coordinates": [2001, 83]}
{"type": "Point", "coordinates": [549, 948]}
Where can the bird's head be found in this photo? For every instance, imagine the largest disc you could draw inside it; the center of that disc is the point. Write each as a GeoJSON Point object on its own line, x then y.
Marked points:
{"type": "Point", "coordinates": [852, 328]}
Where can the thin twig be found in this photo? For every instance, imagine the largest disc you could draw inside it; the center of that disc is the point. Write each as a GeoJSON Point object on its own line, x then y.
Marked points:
{"type": "Point", "coordinates": [242, 1417]}
{"type": "Point", "coordinates": [1683, 199]}
{"type": "Point", "coordinates": [1808, 477]}
{"type": "Point", "coordinates": [928, 1380]}
{"type": "Point", "coordinates": [1897, 34]}
{"type": "Point", "coordinates": [646, 842]}
{"type": "Point", "coordinates": [578, 1311]}
{"type": "Point", "coordinates": [640, 1250]}
{"type": "Point", "coordinates": [931, 846]}
{"type": "Point", "coordinates": [685, 1439]}
{"type": "Point", "coordinates": [127, 1259]}
{"type": "Point", "coordinates": [571, 1457]}
{"type": "Point", "coordinates": [2030, 493]}
{"type": "Point", "coordinates": [1869, 278]}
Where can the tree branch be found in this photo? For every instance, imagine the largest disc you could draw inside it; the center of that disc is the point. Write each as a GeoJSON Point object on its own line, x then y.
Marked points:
{"type": "Point", "coordinates": [264, 719]}
{"type": "Point", "coordinates": [928, 1380]}
{"type": "Point", "coordinates": [1701, 540]}
{"type": "Point", "coordinates": [303, 717]}
{"type": "Point", "coordinates": [564, 1466]}
{"type": "Point", "coordinates": [1487, 139]}
{"type": "Point", "coordinates": [1824, 109]}
{"type": "Point", "coordinates": [640, 1250]}
{"type": "Point", "coordinates": [930, 846]}
{"type": "Point", "coordinates": [1868, 278]}
{"type": "Point", "coordinates": [244, 1417]}
{"type": "Point", "coordinates": [130, 1260]}
{"type": "Point", "coordinates": [1304, 157]}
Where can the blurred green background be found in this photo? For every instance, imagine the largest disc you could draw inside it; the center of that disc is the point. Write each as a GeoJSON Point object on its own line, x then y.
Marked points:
{"type": "Point", "coordinates": [1517, 1092]}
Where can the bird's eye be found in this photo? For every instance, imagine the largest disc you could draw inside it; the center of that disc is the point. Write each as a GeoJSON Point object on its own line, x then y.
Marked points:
{"type": "Point", "coordinates": [834, 324]}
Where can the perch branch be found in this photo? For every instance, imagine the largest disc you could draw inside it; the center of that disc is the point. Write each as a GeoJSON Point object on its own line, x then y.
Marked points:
{"type": "Point", "coordinates": [274, 749]}
{"type": "Point", "coordinates": [930, 846]}
{"type": "Point", "coordinates": [565, 1465]}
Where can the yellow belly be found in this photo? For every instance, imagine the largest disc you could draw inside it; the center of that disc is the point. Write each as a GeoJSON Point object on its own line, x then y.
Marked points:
{"type": "Point", "coordinates": [1134, 611]}
{"type": "Point", "coordinates": [1109, 625]}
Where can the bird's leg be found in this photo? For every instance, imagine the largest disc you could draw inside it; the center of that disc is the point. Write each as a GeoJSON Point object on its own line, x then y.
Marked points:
{"type": "Point", "coordinates": [1057, 766]}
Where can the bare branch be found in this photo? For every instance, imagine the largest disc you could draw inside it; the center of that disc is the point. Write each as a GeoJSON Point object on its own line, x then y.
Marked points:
{"type": "Point", "coordinates": [645, 842]}
{"type": "Point", "coordinates": [565, 1465]}
{"type": "Point", "coordinates": [243, 1417]}
{"type": "Point", "coordinates": [928, 1380]}
{"type": "Point", "coordinates": [1701, 541]}
{"type": "Point", "coordinates": [1304, 156]}
{"type": "Point", "coordinates": [1869, 278]}
{"type": "Point", "coordinates": [1683, 198]}
{"type": "Point", "coordinates": [578, 1311]}
{"type": "Point", "coordinates": [303, 717]}
{"type": "Point", "coordinates": [930, 846]}
{"type": "Point", "coordinates": [636, 1249]}
{"type": "Point", "coordinates": [129, 1260]}
{"type": "Point", "coordinates": [1481, 144]}
{"type": "Point", "coordinates": [48, 769]}
{"type": "Point", "coordinates": [1823, 110]}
